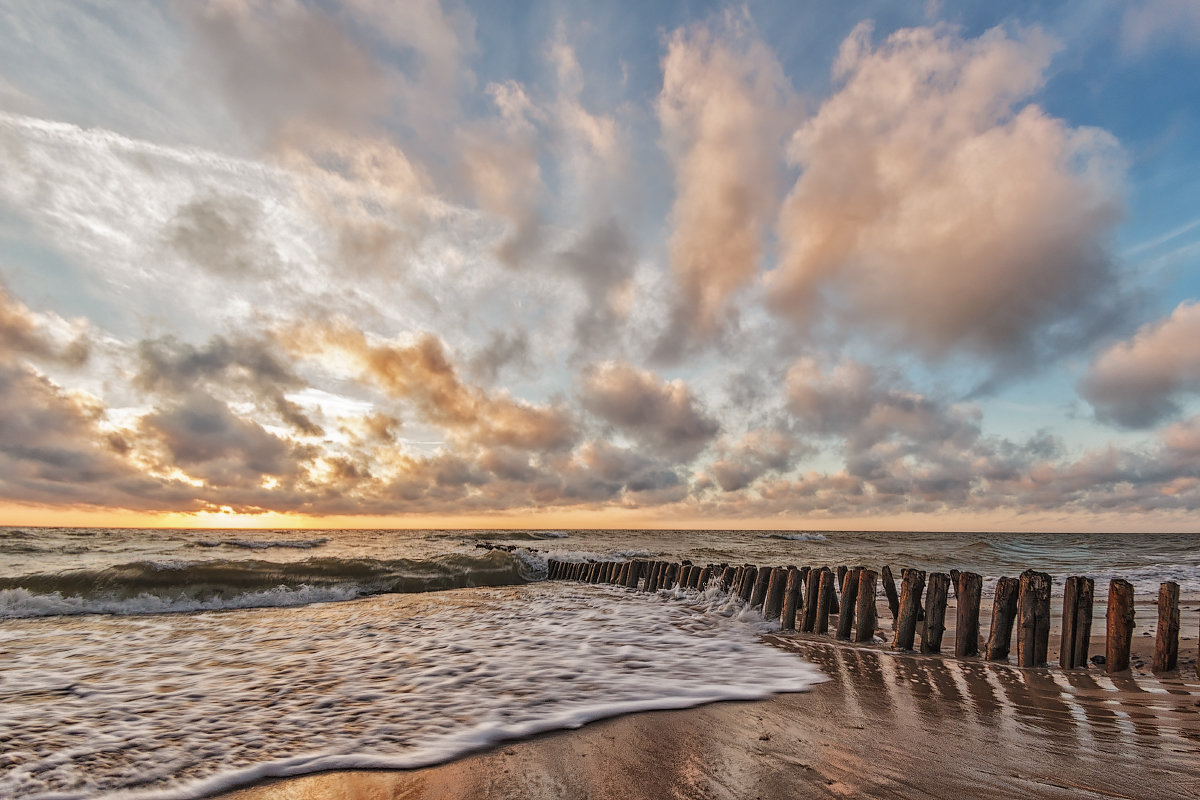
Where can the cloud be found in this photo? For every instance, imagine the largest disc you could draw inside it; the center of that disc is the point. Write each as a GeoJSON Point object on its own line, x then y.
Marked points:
{"type": "Point", "coordinates": [287, 66]}
{"type": "Point", "coordinates": [421, 373]}
{"type": "Point", "coordinates": [57, 448]}
{"type": "Point", "coordinates": [221, 234]}
{"type": "Point", "coordinates": [252, 367]}
{"type": "Point", "coordinates": [940, 211]}
{"type": "Point", "coordinates": [602, 259]}
{"type": "Point", "coordinates": [756, 453]}
{"type": "Point", "coordinates": [25, 333]}
{"type": "Point", "coordinates": [723, 108]}
{"type": "Point", "coordinates": [663, 415]}
{"type": "Point", "coordinates": [1147, 23]}
{"type": "Point", "coordinates": [1139, 382]}
{"type": "Point", "coordinates": [205, 439]}
{"type": "Point", "coordinates": [499, 158]}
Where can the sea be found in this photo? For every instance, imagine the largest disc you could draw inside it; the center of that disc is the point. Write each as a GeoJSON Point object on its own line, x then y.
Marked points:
{"type": "Point", "coordinates": [139, 663]}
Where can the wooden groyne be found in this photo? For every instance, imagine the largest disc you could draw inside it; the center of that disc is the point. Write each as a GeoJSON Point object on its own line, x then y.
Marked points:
{"type": "Point", "coordinates": [804, 598]}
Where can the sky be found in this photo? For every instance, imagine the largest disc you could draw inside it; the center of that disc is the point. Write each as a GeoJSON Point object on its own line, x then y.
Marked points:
{"type": "Point", "coordinates": [859, 265]}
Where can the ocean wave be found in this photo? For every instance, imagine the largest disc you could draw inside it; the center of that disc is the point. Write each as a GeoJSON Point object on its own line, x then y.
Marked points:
{"type": "Point", "coordinates": [795, 537]}
{"type": "Point", "coordinates": [151, 587]}
{"type": "Point", "coordinates": [259, 544]}
{"type": "Point", "coordinates": [506, 536]}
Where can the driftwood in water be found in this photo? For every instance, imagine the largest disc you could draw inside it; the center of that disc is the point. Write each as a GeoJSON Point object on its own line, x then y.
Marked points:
{"type": "Point", "coordinates": [812, 583]}
{"type": "Point", "coordinates": [935, 612]}
{"type": "Point", "coordinates": [1033, 619]}
{"type": "Point", "coordinates": [791, 597]}
{"type": "Point", "coordinates": [864, 610]}
{"type": "Point", "coordinates": [889, 589]}
{"type": "Point", "coordinates": [1119, 626]}
{"type": "Point", "coordinates": [773, 603]}
{"type": "Point", "coordinates": [825, 596]}
{"type": "Point", "coordinates": [759, 592]}
{"type": "Point", "coordinates": [966, 617]}
{"type": "Point", "coordinates": [1004, 612]}
{"type": "Point", "coordinates": [912, 585]}
{"type": "Point", "coordinates": [1166, 643]}
{"type": "Point", "coordinates": [849, 597]}
{"type": "Point", "coordinates": [1076, 622]}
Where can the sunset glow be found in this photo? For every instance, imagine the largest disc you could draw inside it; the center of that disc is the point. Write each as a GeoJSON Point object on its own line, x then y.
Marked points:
{"type": "Point", "coordinates": [438, 264]}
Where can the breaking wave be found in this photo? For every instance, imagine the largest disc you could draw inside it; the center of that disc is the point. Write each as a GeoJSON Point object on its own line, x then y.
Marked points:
{"type": "Point", "coordinates": [154, 587]}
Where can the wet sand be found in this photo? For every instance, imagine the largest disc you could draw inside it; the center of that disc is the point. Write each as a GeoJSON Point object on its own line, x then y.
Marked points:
{"type": "Point", "coordinates": [885, 725]}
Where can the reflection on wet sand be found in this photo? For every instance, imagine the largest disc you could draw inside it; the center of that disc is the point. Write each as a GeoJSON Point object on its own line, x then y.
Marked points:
{"type": "Point", "coordinates": [1075, 708]}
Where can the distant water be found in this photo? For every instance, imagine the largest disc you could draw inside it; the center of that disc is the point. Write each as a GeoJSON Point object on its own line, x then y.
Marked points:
{"type": "Point", "coordinates": [302, 651]}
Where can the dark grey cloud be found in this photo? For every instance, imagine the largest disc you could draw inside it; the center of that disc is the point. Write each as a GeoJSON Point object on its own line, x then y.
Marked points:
{"type": "Point", "coordinates": [221, 235]}
{"type": "Point", "coordinates": [252, 366]}
{"type": "Point", "coordinates": [663, 415]}
{"type": "Point", "coordinates": [602, 260]}
{"type": "Point", "coordinates": [202, 436]}
{"type": "Point", "coordinates": [760, 452]}
{"type": "Point", "coordinates": [507, 349]}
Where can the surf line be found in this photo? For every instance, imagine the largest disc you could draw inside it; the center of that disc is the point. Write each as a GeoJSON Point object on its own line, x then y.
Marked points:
{"type": "Point", "coordinates": [803, 599]}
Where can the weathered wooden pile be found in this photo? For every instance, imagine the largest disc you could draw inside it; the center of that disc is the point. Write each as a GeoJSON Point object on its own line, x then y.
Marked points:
{"type": "Point", "coordinates": [804, 598]}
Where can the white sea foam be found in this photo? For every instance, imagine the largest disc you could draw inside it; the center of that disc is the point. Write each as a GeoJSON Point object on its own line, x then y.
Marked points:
{"type": "Point", "coordinates": [21, 603]}
{"type": "Point", "coordinates": [178, 706]}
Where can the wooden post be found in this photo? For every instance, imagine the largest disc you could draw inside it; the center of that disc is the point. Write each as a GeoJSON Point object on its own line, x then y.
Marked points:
{"type": "Point", "coordinates": [613, 568]}
{"type": "Point", "coordinates": [727, 578]}
{"type": "Point", "coordinates": [1119, 628]}
{"type": "Point", "coordinates": [812, 583]}
{"type": "Point", "coordinates": [889, 589]}
{"type": "Point", "coordinates": [935, 612]}
{"type": "Point", "coordinates": [800, 598]}
{"type": "Point", "coordinates": [954, 581]}
{"type": "Point", "coordinates": [1166, 642]}
{"type": "Point", "coordinates": [749, 575]}
{"type": "Point", "coordinates": [791, 595]}
{"type": "Point", "coordinates": [834, 606]}
{"type": "Point", "coordinates": [1076, 622]}
{"type": "Point", "coordinates": [911, 587]}
{"type": "Point", "coordinates": [825, 595]}
{"type": "Point", "coordinates": [705, 577]}
{"type": "Point", "coordinates": [864, 612]}
{"type": "Point", "coordinates": [634, 575]}
{"type": "Point", "coordinates": [1004, 611]}
{"type": "Point", "coordinates": [966, 622]}
{"type": "Point", "coordinates": [759, 593]}
{"type": "Point", "coordinates": [1033, 619]}
{"type": "Point", "coordinates": [773, 603]}
{"type": "Point", "coordinates": [842, 570]}
{"type": "Point", "coordinates": [849, 595]}
{"type": "Point", "coordinates": [653, 577]}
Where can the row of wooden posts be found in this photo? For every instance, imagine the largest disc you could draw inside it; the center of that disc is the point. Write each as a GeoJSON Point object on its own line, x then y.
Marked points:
{"type": "Point", "coordinates": [803, 598]}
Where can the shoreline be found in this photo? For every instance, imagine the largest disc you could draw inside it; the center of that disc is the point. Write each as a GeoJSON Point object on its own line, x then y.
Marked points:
{"type": "Point", "coordinates": [885, 724]}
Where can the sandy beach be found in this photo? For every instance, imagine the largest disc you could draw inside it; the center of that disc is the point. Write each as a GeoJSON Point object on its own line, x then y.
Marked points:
{"type": "Point", "coordinates": [884, 725]}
